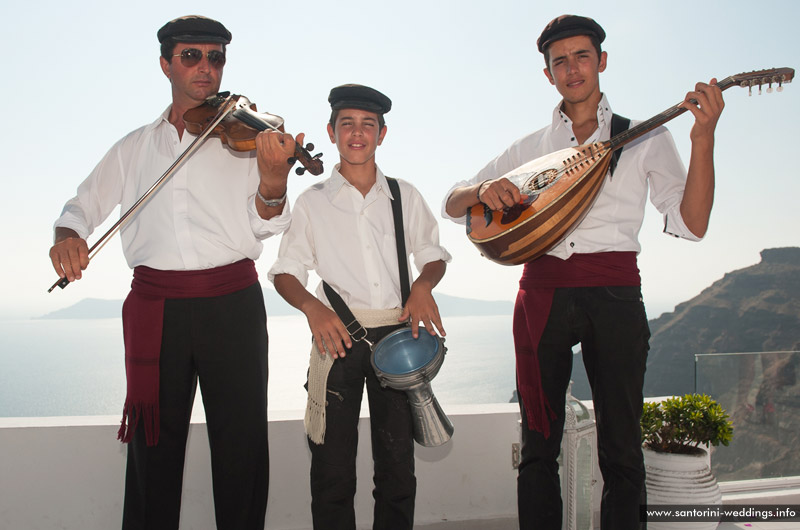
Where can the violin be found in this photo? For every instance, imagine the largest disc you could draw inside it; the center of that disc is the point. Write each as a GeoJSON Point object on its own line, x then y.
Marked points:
{"type": "Point", "coordinates": [238, 130]}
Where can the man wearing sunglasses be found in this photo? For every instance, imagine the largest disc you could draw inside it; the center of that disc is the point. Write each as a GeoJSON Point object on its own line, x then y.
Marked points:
{"type": "Point", "coordinates": [195, 310]}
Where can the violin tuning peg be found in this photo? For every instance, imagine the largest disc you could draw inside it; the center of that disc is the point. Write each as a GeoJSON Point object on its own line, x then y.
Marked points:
{"type": "Point", "coordinates": [291, 160]}
{"type": "Point", "coordinates": [309, 147]}
{"type": "Point", "coordinates": [300, 170]}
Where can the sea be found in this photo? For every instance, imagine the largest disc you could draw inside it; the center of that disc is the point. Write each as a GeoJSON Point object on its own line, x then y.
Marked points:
{"type": "Point", "coordinates": [75, 367]}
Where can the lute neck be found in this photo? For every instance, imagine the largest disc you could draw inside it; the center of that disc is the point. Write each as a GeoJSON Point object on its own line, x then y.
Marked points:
{"type": "Point", "coordinates": [646, 126]}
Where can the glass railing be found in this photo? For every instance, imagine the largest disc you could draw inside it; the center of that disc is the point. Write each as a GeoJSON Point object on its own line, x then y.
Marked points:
{"type": "Point", "coordinates": [761, 393]}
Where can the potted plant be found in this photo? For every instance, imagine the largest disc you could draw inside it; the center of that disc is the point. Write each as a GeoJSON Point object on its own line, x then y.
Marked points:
{"type": "Point", "coordinates": [675, 435]}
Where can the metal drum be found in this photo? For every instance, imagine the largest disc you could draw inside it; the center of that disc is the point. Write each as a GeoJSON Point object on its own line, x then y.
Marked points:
{"type": "Point", "coordinates": [405, 363]}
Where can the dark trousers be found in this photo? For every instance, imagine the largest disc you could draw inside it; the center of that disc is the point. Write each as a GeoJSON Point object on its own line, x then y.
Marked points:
{"type": "Point", "coordinates": [221, 341]}
{"type": "Point", "coordinates": [611, 325]}
{"type": "Point", "coordinates": [333, 463]}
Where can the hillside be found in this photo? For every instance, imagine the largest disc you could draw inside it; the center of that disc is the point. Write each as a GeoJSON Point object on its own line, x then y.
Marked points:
{"type": "Point", "coordinates": [749, 310]}
{"type": "Point", "coordinates": [756, 309]}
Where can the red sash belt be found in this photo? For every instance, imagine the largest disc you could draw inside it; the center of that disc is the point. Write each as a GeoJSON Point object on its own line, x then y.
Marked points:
{"type": "Point", "coordinates": [142, 322]}
{"type": "Point", "coordinates": [539, 281]}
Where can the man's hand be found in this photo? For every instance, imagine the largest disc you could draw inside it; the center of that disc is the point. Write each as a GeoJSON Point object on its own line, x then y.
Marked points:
{"type": "Point", "coordinates": [420, 305]}
{"type": "Point", "coordinates": [69, 254]}
{"type": "Point", "coordinates": [273, 150]}
{"type": "Point", "coordinates": [499, 194]}
{"type": "Point", "coordinates": [329, 333]}
{"type": "Point", "coordinates": [706, 110]}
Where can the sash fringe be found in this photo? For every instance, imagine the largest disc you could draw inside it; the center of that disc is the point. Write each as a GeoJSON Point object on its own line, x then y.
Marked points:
{"type": "Point", "coordinates": [132, 414]}
{"type": "Point", "coordinates": [319, 367]}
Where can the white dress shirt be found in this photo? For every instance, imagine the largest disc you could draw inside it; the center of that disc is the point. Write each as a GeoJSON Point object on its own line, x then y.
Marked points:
{"type": "Point", "coordinates": [349, 240]}
{"type": "Point", "coordinates": [613, 223]}
{"type": "Point", "coordinates": [204, 216]}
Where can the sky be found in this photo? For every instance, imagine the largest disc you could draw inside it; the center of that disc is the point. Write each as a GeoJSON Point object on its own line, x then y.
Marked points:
{"type": "Point", "coordinates": [465, 79]}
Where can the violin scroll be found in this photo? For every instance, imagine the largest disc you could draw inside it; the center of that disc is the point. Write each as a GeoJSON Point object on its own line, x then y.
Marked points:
{"type": "Point", "coordinates": [311, 163]}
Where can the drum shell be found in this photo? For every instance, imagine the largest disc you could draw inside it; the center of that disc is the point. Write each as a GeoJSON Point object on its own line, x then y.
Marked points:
{"type": "Point", "coordinates": [401, 362]}
{"type": "Point", "coordinates": [404, 363]}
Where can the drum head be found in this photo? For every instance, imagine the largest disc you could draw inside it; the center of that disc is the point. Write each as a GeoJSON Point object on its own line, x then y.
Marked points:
{"type": "Point", "coordinates": [400, 353]}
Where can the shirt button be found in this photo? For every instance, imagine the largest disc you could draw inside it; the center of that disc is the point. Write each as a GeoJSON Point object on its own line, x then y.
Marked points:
{"type": "Point", "coordinates": [572, 244]}
{"type": "Point", "coordinates": [375, 284]}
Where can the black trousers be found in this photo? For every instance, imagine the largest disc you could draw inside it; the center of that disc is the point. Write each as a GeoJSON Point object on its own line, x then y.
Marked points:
{"type": "Point", "coordinates": [221, 341]}
{"type": "Point", "coordinates": [611, 325]}
{"type": "Point", "coordinates": [333, 463]}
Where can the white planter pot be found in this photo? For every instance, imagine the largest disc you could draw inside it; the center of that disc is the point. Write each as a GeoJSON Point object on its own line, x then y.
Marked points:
{"type": "Point", "coordinates": [680, 480]}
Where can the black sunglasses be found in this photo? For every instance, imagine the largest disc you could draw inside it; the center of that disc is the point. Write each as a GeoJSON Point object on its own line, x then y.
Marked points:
{"type": "Point", "coordinates": [192, 57]}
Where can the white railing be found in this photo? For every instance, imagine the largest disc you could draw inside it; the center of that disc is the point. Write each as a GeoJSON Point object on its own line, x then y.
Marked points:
{"type": "Point", "coordinates": [68, 473]}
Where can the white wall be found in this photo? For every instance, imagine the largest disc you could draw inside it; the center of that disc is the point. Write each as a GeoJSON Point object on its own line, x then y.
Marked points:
{"type": "Point", "coordinates": [68, 473]}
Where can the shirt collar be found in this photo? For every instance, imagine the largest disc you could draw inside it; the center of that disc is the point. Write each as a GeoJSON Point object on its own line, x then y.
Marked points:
{"type": "Point", "coordinates": [163, 118]}
{"type": "Point", "coordinates": [604, 114]}
{"type": "Point", "coordinates": [336, 182]}
{"type": "Point", "coordinates": [562, 122]}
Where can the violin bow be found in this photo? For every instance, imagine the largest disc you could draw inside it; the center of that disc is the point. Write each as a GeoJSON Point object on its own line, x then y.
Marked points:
{"type": "Point", "coordinates": [226, 108]}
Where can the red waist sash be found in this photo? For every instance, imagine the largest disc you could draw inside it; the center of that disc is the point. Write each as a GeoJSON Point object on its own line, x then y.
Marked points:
{"type": "Point", "coordinates": [539, 281]}
{"type": "Point", "coordinates": [142, 323]}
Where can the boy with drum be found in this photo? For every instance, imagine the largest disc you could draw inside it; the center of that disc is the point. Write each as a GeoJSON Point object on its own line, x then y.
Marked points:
{"type": "Point", "coordinates": [343, 228]}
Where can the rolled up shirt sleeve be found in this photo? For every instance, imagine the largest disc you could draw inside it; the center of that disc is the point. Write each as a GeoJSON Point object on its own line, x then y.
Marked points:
{"type": "Point", "coordinates": [423, 232]}
{"type": "Point", "coordinates": [462, 220]}
{"type": "Point", "coordinates": [264, 228]}
{"type": "Point", "coordinates": [295, 254]}
{"type": "Point", "coordinates": [667, 178]}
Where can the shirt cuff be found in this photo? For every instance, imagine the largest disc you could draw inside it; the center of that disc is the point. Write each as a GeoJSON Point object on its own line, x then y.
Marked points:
{"type": "Point", "coordinates": [675, 226]}
{"type": "Point", "coordinates": [462, 220]}
{"type": "Point", "coordinates": [264, 228]}
{"type": "Point", "coordinates": [422, 258]}
{"type": "Point", "coordinates": [69, 220]}
{"type": "Point", "coordinates": [288, 266]}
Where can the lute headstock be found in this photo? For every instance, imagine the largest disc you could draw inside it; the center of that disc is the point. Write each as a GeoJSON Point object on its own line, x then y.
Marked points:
{"type": "Point", "coordinates": [759, 78]}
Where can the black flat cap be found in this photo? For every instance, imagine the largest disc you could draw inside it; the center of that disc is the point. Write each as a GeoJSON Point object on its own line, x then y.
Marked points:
{"type": "Point", "coordinates": [569, 26]}
{"type": "Point", "coordinates": [359, 97]}
{"type": "Point", "coordinates": [194, 28]}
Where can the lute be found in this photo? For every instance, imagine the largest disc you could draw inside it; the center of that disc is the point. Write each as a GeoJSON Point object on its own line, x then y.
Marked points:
{"type": "Point", "coordinates": [562, 186]}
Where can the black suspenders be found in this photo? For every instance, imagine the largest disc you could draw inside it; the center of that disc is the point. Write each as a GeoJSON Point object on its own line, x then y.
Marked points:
{"type": "Point", "coordinates": [618, 124]}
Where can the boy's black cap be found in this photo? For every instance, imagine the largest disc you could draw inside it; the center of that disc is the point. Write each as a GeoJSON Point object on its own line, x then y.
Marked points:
{"type": "Point", "coordinates": [194, 28]}
{"type": "Point", "coordinates": [359, 97]}
{"type": "Point", "coordinates": [569, 26]}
